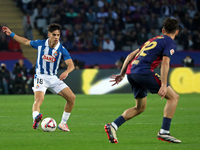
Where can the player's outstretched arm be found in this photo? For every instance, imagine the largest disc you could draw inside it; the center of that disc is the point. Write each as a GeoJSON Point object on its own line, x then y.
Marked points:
{"type": "Point", "coordinates": [128, 59]}
{"type": "Point", "coordinates": [70, 68]}
{"type": "Point", "coordinates": [119, 78]}
{"type": "Point", "coordinates": [19, 39]}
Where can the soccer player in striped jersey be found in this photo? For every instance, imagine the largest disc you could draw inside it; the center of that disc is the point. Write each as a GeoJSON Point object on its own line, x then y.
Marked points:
{"type": "Point", "coordinates": [49, 55]}
{"type": "Point", "coordinates": [139, 67]}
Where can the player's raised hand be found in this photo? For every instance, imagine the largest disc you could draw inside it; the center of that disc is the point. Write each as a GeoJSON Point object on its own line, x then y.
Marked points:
{"type": "Point", "coordinates": [63, 75]}
{"type": "Point", "coordinates": [116, 79]}
{"type": "Point", "coordinates": [6, 30]}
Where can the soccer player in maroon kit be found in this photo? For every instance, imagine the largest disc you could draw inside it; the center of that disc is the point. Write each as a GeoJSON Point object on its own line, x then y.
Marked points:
{"type": "Point", "coordinates": [139, 67]}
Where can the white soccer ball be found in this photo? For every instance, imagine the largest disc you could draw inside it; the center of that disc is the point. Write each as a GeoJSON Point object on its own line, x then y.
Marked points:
{"type": "Point", "coordinates": [48, 125]}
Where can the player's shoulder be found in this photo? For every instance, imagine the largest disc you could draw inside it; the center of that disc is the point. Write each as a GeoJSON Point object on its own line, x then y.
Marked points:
{"type": "Point", "coordinates": [39, 41]}
{"type": "Point", "coordinates": [158, 38]}
{"type": "Point", "coordinates": [164, 40]}
{"type": "Point", "coordinates": [62, 48]}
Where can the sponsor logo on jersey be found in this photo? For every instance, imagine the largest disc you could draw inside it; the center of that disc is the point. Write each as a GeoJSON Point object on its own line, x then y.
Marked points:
{"type": "Point", "coordinates": [172, 51]}
{"type": "Point", "coordinates": [48, 58]}
{"type": "Point", "coordinates": [55, 54]}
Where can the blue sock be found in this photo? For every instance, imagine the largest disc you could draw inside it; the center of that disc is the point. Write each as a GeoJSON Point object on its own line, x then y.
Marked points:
{"type": "Point", "coordinates": [166, 123]}
{"type": "Point", "coordinates": [118, 122]}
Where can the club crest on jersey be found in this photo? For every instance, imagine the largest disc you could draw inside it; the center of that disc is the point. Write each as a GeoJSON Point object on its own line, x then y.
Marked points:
{"type": "Point", "coordinates": [55, 54]}
{"type": "Point", "coordinates": [172, 51]}
{"type": "Point", "coordinates": [37, 86]}
{"type": "Point", "coordinates": [48, 58]}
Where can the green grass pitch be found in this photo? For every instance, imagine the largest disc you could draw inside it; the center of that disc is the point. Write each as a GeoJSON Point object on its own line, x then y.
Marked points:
{"type": "Point", "coordinates": [90, 114]}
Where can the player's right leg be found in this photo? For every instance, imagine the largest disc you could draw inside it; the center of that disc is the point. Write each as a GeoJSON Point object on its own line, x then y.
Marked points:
{"type": "Point", "coordinates": [169, 110]}
{"type": "Point", "coordinates": [37, 120]}
{"type": "Point", "coordinates": [39, 89]}
{"type": "Point", "coordinates": [37, 117]}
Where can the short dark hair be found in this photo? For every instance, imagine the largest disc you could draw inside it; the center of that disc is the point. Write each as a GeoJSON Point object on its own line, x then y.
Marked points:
{"type": "Point", "coordinates": [170, 25]}
{"type": "Point", "coordinates": [54, 26]}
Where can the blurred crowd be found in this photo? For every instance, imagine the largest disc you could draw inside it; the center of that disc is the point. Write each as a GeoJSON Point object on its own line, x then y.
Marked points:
{"type": "Point", "coordinates": [18, 81]}
{"type": "Point", "coordinates": [111, 25]}
{"type": "Point", "coordinates": [97, 25]}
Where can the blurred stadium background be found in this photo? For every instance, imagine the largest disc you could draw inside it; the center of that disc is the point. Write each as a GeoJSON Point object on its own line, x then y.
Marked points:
{"type": "Point", "coordinates": [86, 27]}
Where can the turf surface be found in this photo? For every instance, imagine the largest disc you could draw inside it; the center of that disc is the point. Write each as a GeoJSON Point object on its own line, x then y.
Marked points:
{"type": "Point", "coordinates": [90, 114]}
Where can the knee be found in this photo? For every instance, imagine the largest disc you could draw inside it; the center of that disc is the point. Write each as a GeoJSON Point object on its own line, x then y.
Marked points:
{"type": "Point", "coordinates": [71, 99]}
{"type": "Point", "coordinates": [39, 100]}
{"type": "Point", "coordinates": [177, 98]}
{"type": "Point", "coordinates": [174, 99]}
{"type": "Point", "coordinates": [141, 109]}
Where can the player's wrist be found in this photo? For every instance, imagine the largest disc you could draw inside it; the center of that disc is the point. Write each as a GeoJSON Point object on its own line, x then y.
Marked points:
{"type": "Point", "coordinates": [12, 34]}
{"type": "Point", "coordinates": [122, 74]}
{"type": "Point", "coordinates": [164, 84]}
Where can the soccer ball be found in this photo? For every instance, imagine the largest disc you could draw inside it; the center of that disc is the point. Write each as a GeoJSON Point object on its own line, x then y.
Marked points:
{"type": "Point", "coordinates": [48, 125]}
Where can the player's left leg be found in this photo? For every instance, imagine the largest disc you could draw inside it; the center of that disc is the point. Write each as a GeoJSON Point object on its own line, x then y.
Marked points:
{"type": "Point", "coordinates": [128, 114]}
{"type": "Point", "coordinates": [140, 95]}
{"type": "Point", "coordinates": [67, 94]}
{"type": "Point", "coordinates": [140, 107]}
{"type": "Point", "coordinates": [169, 110]}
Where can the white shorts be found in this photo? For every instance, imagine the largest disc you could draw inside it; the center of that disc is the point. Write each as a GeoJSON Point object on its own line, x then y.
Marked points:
{"type": "Point", "coordinates": [42, 82]}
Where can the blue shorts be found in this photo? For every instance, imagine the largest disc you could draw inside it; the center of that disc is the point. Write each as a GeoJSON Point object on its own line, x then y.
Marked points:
{"type": "Point", "coordinates": [141, 83]}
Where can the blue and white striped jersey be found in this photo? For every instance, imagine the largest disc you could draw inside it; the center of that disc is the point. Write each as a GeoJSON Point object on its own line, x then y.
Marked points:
{"type": "Point", "coordinates": [48, 59]}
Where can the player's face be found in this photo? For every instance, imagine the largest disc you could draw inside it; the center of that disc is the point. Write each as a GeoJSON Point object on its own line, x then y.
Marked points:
{"type": "Point", "coordinates": [54, 37]}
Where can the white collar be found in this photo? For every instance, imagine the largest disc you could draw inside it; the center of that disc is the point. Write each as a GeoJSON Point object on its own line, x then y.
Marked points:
{"type": "Point", "coordinates": [57, 46]}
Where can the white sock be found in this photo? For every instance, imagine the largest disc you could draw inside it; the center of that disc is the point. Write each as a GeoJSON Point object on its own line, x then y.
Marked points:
{"type": "Point", "coordinates": [162, 131]}
{"type": "Point", "coordinates": [114, 126]}
{"type": "Point", "coordinates": [34, 114]}
{"type": "Point", "coordinates": [65, 117]}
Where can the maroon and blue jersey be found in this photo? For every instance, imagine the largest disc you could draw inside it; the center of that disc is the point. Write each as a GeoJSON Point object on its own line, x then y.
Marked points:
{"type": "Point", "coordinates": [150, 55]}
